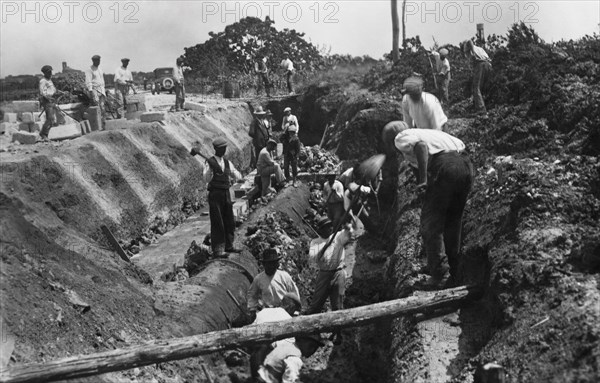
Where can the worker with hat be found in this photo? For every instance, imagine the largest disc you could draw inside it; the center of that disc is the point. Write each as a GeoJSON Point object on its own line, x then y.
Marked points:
{"type": "Point", "coordinates": [288, 118]}
{"type": "Point", "coordinates": [291, 152]}
{"type": "Point", "coordinates": [288, 68]}
{"type": "Point", "coordinates": [283, 364]}
{"type": "Point", "coordinates": [266, 167]}
{"type": "Point", "coordinates": [444, 179]}
{"type": "Point", "coordinates": [291, 305]}
{"type": "Point", "coordinates": [179, 84]}
{"type": "Point", "coordinates": [327, 252]}
{"type": "Point", "coordinates": [94, 82]}
{"type": "Point", "coordinates": [260, 133]}
{"type": "Point", "coordinates": [333, 198]}
{"type": "Point", "coordinates": [219, 175]}
{"type": "Point", "coordinates": [47, 101]}
{"type": "Point", "coordinates": [270, 286]}
{"type": "Point", "coordinates": [420, 109]}
{"type": "Point", "coordinates": [262, 70]}
{"type": "Point", "coordinates": [123, 80]}
{"type": "Point", "coordinates": [442, 73]}
{"type": "Point", "coordinates": [482, 67]}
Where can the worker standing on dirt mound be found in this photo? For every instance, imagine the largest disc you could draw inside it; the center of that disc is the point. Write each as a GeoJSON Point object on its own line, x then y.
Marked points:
{"type": "Point", "coordinates": [179, 84]}
{"type": "Point", "coordinates": [218, 175]}
{"type": "Point", "coordinates": [94, 82]}
{"type": "Point", "coordinates": [333, 196]}
{"type": "Point", "coordinates": [47, 101]}
{"type": "Point", "coordinates": [288, 68]}
{"type": "Point", "coordinates": [284, 363]}
{"type": "Point", "coordinates": [445, 175]}
{"type": "Point", "coordinates": [327, 251]}
{"type": "Point", "coordinates": [290, 307]}
{"type": "Point", "coordinates": [123, 80]}
{"type": "Point", "coordinates": [270, 286]}
{"type": "Point", "coordinates": [261, 69]}
{"type": "Point", "coordinates": [420, 109]}
{"type": "Point", "coordinates": [482, 67]}
{"type": "Point", "coordinates": [259, 132]}
{"type": "Point", "coordinates": [442, 66]}
{"type": "Point", "coordinates": [267, 167]}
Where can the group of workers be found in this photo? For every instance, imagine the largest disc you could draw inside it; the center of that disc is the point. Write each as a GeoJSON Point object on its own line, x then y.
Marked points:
{"type": "Point", "coordinates": [262, 71]}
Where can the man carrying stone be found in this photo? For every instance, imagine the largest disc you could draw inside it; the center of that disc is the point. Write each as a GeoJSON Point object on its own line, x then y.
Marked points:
{"type": "Point", "coordinates": [421, 109]}
{"type": "Point", "coordinates": [266, 167]}
{"type": "Point", "coordinates": [123, 80]}
{"type": "Point", "coordinates": [94, 82]}
{"type": "Point", "coordinates": [219, 174]}
{"type": "Point", "coordinates": [47, 101]}
{"type": "Point", "coordinates": [179, 84]}
{"type": "Point", "coordinates": [445, 175]}
{"type": "Point", "coordinates": [259, 132]}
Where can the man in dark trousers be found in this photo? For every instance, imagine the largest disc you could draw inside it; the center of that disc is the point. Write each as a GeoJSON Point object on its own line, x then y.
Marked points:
{"type": "Point", "coordinates": [444, 177]}
{"type": "Point", "coordinates": [218, 175]}
{"type": "Point", "coordinates": [260, 133]}
{"type": "Point", "coordinates": [47, 101]}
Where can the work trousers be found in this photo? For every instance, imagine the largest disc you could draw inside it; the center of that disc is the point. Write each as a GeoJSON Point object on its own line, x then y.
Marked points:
{"type": "Point", "coordinates": [335, 212]}
{"type": "Point", "coordinates": [179, 95]}
{"type": "Point", "coordinates": [332, 284]}
{"type": "Point", "coordinates": [290, 160]}
{"type": "Point", "coordinates": [481, 71]}
{"type": "Point", "coordinates": [98, 99]}
{"type": "Point", "coordinates": [450, 176]}
{"type": "Point", "coordinates": [254, 154]}
{"type": "Point", "coordinates": [265, 177]}
{"type": "Point", "coordinates": [444, 83]}
{"type": "Point", "coordinates": [222, 221]}
{"type": "Point", "coordinates": [121, 95]}
{"type": "Point", "coordinates": [290, 81]}
{"type": "Point", "coordinates": [264, 79]}
{"type": "Point", "coordinates": [50, 110]}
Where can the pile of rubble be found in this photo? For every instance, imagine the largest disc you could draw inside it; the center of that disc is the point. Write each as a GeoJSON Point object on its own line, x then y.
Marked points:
{"type": "Point", "coordinates": [314, 159]}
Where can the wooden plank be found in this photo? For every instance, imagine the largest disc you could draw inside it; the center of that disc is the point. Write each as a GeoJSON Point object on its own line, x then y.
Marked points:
{"type": "Point", "coordinates": [180, 348]}
{"type": "Point", "coordinates": [115, 244]}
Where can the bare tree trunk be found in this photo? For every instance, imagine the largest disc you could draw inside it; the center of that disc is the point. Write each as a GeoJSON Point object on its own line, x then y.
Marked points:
{"type": "Point", "coordinates": [395, 32]}
{"type": "Point", "coordinates": [404, 24]}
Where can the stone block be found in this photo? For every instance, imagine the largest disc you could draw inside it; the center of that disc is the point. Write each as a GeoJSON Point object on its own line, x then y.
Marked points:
{"type": "Point", "coordinates": [10, 117]}
{"type": "Point", "coordinates": [136, 102]}
{"type": "Point", "coordinates": [120, 123]}
{"type": "Point", "coordinates": [63, 132]}
{"type": "Point", "coordinates": [152, 116]}
{"type": "Point", "coordinates": [133, 115]}
{"type": "Point", "coordinates": [35, 127]}
{"type": "Point", "coordinates": [4, 126]}
{"type": "Point", "coordinates": [25, 138]}
{"type": "Point", "coordinates": [25, 126]}
{"type": "Point", "coordinates": [195, 106]}
{"type": "Point", "coordinates": [23, 106]}
{"type": "Point", "coordinates": [27, 117]}
{"type": "Point", "coordinates": [92, 114]}
{"type": "Point", "coordinates": [85, 127]}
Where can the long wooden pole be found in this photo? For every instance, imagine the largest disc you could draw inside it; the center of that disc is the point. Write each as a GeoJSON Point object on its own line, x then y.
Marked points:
{"type": "Point", "coordinates": [187, 347]}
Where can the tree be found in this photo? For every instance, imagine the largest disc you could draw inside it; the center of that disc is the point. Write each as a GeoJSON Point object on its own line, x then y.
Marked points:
{"type": "Point", "coordinates": [395, 32]}
{"type": "Point", "coordinates": [404, 24]}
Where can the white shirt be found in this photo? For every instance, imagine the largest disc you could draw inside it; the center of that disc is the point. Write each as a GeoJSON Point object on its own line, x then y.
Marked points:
{"type": "Point", "coordinates": [436, 141]}
{"type": "Point", "coordinates": [273, 314]}
{"type": "Point", "coordinates": [94, 79]}
{"type": "Point", "coordinates": [286, 121]}
{"type": "Point", "coordinates": [479, 54]}
{"type": "Point", "coordinates": [178, 73]}
{"type": "Point", "coordinates": [122, 75]}
{"type": "Point", "coordinates": [334, 255]}
{"type": "Point", "coordinates": [270, 289]}
{"type": "Point", "coordinates": [287, 64]}
{"type": "Point", "coordinates": [426, 113]}
{"type": "Point", "coordinates": [284, 364]}
{"type": "Point", "coordinates": [337, 189]}
{"type": "Point", "coordinates": [208, 173]}
{"type": "Point", "coordinates": [47, 88]}
{"type": "Point", "coordinates": [442, 66]}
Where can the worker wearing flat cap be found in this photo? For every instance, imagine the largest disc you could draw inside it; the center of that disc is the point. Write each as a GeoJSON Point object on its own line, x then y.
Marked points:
{"type": "Point", "coordinates": [420, 109]}
{"type": "Point", "coordinates": [219, 175]}
{"type": "Point", "coordinates": [444, 179]}
{"type": "Point", "coordinates": [123, 80]}
{"type": "Point", "coordinates": [94, 82]}
{"type": "Point", "coordinates": [442, 73]}
{"type": "Point", "coordinates": [47, 101]}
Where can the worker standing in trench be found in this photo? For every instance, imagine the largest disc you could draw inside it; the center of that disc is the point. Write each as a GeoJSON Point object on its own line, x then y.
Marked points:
{"type": "Point", "coordinates": [444, 179]}
{"type": "Point", "coordinates": [218, 175]}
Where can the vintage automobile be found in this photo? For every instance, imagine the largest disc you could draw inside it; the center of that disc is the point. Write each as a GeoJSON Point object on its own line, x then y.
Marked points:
{"type": "Point", "coordinates": [163, 80]}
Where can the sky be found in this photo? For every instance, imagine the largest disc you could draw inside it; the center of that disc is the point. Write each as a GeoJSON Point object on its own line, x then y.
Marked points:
{"type": "Point", "coordinates": [153, 33]}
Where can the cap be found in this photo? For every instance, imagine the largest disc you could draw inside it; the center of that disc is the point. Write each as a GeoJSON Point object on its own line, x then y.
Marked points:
{"type": "Point", "coordinates": [95, 57]}
{"type": "Point", "coordinates": [46, 68]}
{"type": "Point", "coordinates": [179, 60]}
{"type": "Point", "coordinates": [272, 142]}
{"type": "Point", "coordinates": [443, 52]}
{"type": "Point", "coordinates": [323, 222]}
{"type": "Point", "coordinates": [124, 60]}
{"type": "Point", "coordinates": [288, 109]}
{"type": "Point", "coordinates": [270, 255]}
{"type": "Point", "coordinates": [413, 85]}
{"type": "Point", "coordinates": [219, 142]}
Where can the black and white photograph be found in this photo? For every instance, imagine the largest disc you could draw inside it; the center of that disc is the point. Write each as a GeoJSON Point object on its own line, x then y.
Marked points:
{"type": "Point", "coordinates": [309, 191]}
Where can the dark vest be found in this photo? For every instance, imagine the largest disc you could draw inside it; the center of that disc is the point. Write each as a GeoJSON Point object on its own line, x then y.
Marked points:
{"type": "Point", "coordinates": [221, 178]}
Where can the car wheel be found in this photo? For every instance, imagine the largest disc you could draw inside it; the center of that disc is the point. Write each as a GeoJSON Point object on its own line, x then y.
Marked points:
{"type": "Point", "coordinates": [168, 83]}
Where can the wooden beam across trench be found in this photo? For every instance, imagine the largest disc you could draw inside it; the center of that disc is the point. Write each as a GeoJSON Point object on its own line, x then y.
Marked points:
{"type": "Point", "coordinates": [187, 347]}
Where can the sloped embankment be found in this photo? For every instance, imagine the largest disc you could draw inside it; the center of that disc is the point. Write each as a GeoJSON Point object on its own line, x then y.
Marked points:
{"type": "Point", "coordinates": [64, 292]}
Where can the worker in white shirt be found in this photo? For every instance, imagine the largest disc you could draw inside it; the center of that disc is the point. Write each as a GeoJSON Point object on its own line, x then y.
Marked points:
{"type": "Point", "coordinates": [482, 67]}
{"type": "Point", "coordinates": [48, 101]}
{"type": "Point", "coordinates": [123, 80]}
{"type": "Point", "coordinates": [442, 67]}
{"type": "Point", "coordinates": [94, 82]}
{"type": "Point", "coordinates": [283, 364]}
{"type": "Point", "coordinates": [288, 117]}
{"type": "Point", "coordinates": [421, 109]}
{"type": "Point", "coordinates": [219, 175]}
{"type": "Point", "coordinates": [179, 84]}
{"type": "Point", "coordinates": [288, 67]}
